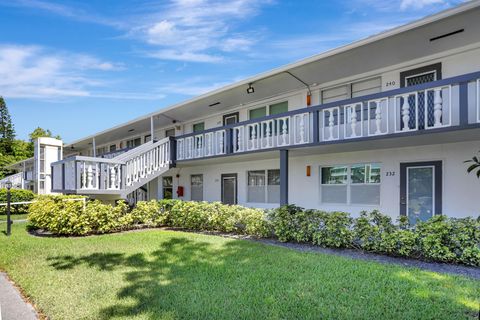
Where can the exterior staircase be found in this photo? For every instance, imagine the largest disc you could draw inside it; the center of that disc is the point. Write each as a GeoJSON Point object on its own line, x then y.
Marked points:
{"type": "Point", "coordinates": [116, 177]}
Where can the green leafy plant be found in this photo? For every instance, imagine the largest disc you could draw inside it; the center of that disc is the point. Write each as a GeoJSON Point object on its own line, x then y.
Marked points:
{"type": "Point", "coordinates": [474, 166]}
{"type": "Point", "coordinates": [17, 195]}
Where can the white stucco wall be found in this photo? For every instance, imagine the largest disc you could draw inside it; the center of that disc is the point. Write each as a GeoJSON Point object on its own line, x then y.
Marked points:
{"type": "Point", "coordinates": [461, 192]}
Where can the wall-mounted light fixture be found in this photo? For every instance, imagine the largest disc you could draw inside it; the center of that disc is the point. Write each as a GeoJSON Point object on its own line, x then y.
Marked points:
{"type": "Point", "coordinates": [309, 171]}
{"type": "Point", "coordinates": [131, 130]}
{"type": "Point", "coordinates": [250, 89]}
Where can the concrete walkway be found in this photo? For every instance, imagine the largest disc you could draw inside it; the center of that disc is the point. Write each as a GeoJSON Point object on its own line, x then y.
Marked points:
{"type": "Point", "coordinates": [12, 306]}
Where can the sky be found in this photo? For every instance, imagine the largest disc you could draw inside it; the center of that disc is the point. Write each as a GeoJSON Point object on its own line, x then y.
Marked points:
{"type": "Point", "coordinates": [79, 67]}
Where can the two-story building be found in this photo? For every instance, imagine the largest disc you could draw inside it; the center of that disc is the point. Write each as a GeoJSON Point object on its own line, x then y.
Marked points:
{"type": "Point", "coordinates": [382, 123]}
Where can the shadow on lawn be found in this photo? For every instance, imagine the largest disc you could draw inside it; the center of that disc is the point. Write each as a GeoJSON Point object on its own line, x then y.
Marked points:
{"type": "Point", "coordinates": [190, 279]}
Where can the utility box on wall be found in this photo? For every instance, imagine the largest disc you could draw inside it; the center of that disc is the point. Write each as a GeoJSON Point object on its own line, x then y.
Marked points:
{"type": "Point", "coordinates": [46, 151]}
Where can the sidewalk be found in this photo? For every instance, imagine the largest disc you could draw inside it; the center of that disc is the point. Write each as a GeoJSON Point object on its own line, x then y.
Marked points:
{"type": "Point", "coordinates": [12, 306]}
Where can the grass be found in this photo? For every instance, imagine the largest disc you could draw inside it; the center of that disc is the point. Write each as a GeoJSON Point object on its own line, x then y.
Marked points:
{"type": "Point", "coordinates": [157, 274]}
{"type": "Point", "coordinates": [14, 217]}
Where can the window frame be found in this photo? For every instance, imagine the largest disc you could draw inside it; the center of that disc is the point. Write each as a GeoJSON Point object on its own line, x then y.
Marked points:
{"type": "Point", "coordinates": [436, 68]}
{"type": "Point", "coordinates": [349, 184]}
{"type": "Point", "coordinates": [267, 108]}
{"type": "Point", "coordinates": [170, 129]}
{"type": "Point", "coordinates": [196, 124]}
{"type": "Point", "coordinates": [164, 187]}
{"type": "Point", "coordinates": [265, 186]}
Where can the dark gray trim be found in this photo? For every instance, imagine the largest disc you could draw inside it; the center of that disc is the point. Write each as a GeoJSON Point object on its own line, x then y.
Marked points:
{"type": "Point", "coordinates": [283, 177]}
{"type": "Point", "coordinates": [51, 177]}
{"type": "Point", "coordinates": [437, 67]}
{"type": "Point", "coordinates": [228, 141]}
{"type": "Point", "coordinates": [237, 114]}
{"type": "Point", "coordinates": [229, 175]}
{"type": "Point", "coordinates": [371, 138]}
{"type": "Point", "coordinates": [438, 184]}
{"type": "Point", "coordinates": [374, 96]}
{"type": "Point", "coordinates": [63, 176]}
{"type": "Point", "coordinates": [316, 127]}
{"type": "Point", "coordinates": [463, 103]}
{"type": "Point", "coordinates": [173, 151]}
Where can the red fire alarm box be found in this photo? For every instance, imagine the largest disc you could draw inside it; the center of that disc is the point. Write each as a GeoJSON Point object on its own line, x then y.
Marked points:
{"type": "Point", "coordinates": [179, 191]}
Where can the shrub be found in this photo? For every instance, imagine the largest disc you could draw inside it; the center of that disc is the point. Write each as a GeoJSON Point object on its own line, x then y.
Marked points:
{"type": "Point", "coordinates": [60, 216]}
{"type": "Point", "coordinates": [335, 231]}
{"type": "Point", "coordinates": [293, 223]}
{"type": "Point", "coordinates": [17, 195]}
{"type": "Point", "coordinates": [439, 239]}
{"type": "Point", "coordinates": [372, 232]}
{"type": "Point", "coordinates": [450, 240]}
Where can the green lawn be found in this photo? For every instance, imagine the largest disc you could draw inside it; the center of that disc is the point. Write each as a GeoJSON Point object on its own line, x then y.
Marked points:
{"type": "Point", "coordinates": [173, 275]}
{"type": "Point", "coordinates": [14, 217]}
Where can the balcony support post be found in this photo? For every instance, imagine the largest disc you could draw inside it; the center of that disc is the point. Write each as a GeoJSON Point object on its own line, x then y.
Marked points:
{"type": "Point", "coordinates": [94, 147]}
{"type": "Point", "coordinates": [228, 141]}
{"type": "Point", "coordinates": [316, 128]}
{"type": "Point", "coordinates": [283, 177]}
{"type": "Point", "coordinates": [463, 103]}
{"type": "Point", "coordinates": [173, 151]}
{"type": "Point", "coordinates": [152, 129]}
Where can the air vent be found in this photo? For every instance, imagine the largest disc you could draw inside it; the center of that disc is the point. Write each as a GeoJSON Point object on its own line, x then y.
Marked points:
{"type": "Point", "coordinates": [214, 104]}
{"type": "Point", "coordinates": [447, 35]}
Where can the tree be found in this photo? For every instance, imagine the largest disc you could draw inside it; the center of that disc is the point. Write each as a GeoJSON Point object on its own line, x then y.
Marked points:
{"type": "Point", "coordinates": [475, 165]}
{"type": "Point", "coordinates": [40, 132]}
{"type": "Point", "coordinates": [7, 132]}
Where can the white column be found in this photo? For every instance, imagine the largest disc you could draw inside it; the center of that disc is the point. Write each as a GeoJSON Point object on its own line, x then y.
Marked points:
{"type": "Point", "coordinates": [94, 146]}
{"type": "Point", "coordinates": [152, 129]}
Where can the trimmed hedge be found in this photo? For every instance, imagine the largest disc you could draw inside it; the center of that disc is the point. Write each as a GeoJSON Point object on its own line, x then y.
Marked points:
{"type": "Point", "coordinates": [438, 239]}
{"type": "Point", "coordinates": [17, 195]}
{"type": "Point", "coordinates": [61, 217]}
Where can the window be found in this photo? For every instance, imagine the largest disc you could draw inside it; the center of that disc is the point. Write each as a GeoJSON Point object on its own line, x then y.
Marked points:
{"type": "Point", "coordinates": [113, 147]}
{"type": "Point", "coordinates": [257, 113]}
{"type": "Point", "coordinates": [354, 184]}
{"type": "Point", "coordinates": [196, 181]}
{"type": "Point", "coordinates": [334, 184]}
{"type": "Point", "coordinates": [134, 142]}
{"type": "Point", "coordinates": [170, 132]}
{"type": "Point", "coordinates": [421, 75]}
{"type": "Point", "coordinates": [197, 127]}
{"type": "Point", "coordinates": [147, 138]}
{"type": "Point", "coordinates": [102, 150]}
{"type": "Point", "coordinates": [276, 108]}
{"type": "Point", "coordinates": [352, 90]}
{"type": "Point", "coordinates": [263, 186]}
{"type": "Point", "coordinates": [167, 185]}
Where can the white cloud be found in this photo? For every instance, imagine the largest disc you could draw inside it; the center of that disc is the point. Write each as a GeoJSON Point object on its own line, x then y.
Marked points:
{"type": "Point", "coordinates": [419, 4]}
{"type": "Point", "coordinates": [62, 10]}
{"type": "Point", "coordinates": [197, 30]}
{"type": "Point", "coordinates": [37, 72]}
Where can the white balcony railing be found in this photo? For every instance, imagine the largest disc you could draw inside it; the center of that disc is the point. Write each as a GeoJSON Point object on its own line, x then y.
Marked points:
{"type": "Point", "coordinates": [122, 174]}
{"type": "Point", "coordinates": [427, 106]}
{"type": "Point", "coordinates": [206, 144]}
{"type": "Point", "coordinates": [17, 181]}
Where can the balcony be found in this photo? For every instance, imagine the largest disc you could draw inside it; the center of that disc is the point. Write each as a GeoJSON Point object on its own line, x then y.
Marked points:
{"type": "Point", "coordinates": [443, 105]}
{"type": "Point", "coordinates": [117, 176]}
